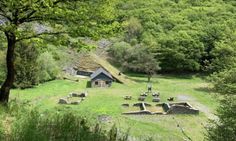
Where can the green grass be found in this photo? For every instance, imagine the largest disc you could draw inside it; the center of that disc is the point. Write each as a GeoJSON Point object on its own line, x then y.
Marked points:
{"type": "Point", "coordinates": [108, 101]}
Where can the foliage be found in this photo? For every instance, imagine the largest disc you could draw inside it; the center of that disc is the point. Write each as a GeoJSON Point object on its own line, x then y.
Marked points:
{"type": "Point", "coordinates": [31, 18]}
{"type": "Point", "coordinates": [180, 52]}
{"type": "Point", "coordinates": [48, 67]}
{"type": "Point", "coordinates": [187, 35]}
{"type": "Point", "coordinates": [23, 20]}
{"type": "Point", "coordinates": [133, 29]}
{"type": "Point", "coordinates": [225, 81]}
{"type": "Point", "coordinates": [2, 67]}
{"type": "Point", "coordinates": [137, 59]}
{"type": "Point", "coordinates": [1, 129]}
{"type": "Point", "coordinates": [224, 57]}
{"type": "Point", "coordinates": [27, 67]}
{"type": "Point", "coordinates": [63, 125]}
{"type": "Point", "coordinates": [225, 127]}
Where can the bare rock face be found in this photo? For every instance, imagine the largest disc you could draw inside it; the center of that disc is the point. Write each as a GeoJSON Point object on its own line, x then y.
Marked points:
{"type": "Point", "coordinates": [156, 100]}
{"type": "Point", "coordinates": [62, 101]}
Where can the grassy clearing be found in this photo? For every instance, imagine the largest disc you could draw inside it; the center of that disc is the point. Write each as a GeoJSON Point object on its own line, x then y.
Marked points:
{"type": "Point", "coordinates": [103, 101]}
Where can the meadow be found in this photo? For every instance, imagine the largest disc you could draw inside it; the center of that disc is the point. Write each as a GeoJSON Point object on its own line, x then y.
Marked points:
{"type": "Point", "coordinates": [107, 102]}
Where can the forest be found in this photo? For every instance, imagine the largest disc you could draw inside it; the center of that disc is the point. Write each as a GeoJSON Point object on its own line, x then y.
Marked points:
{"type": "Point", "coordinates": [164, 37]}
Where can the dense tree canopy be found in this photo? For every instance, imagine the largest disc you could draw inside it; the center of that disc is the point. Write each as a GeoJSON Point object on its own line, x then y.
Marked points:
{"type": "Point", "coordinates": [188, 35]}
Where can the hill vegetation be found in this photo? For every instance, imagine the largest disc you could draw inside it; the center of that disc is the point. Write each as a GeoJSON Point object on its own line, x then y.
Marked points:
{"type": "Point", "coordinates": [185, 36]}
{"type": "Point", "coordinates": [39, 38]}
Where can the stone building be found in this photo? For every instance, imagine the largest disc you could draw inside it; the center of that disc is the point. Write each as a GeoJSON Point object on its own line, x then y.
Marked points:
{"type": "Point", "coordinates": [101, 78]}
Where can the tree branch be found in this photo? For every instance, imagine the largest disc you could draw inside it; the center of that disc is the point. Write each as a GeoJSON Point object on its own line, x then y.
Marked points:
{"type": "Point", "coordinates": [41, 34]}
{"type": "Point", "coordinates": [24, 19]}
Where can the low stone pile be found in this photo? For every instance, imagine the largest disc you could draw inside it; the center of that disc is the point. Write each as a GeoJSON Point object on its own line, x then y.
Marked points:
{"type": "Point", "coordinates": [127, 97]}
{"type": "Point", "coordinates": [156, 97]}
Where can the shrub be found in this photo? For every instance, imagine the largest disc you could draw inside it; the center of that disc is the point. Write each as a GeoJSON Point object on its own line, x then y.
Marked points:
{"type": "Point", "coordinates": [55, 126]}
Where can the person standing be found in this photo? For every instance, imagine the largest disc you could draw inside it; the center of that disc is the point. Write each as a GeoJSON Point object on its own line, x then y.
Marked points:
{"type": "Point", "coordinates": [149, 86]}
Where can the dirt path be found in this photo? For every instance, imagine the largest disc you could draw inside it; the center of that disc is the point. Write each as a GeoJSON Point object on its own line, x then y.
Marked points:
{"type": "Point", "coordinates": [196, 104]}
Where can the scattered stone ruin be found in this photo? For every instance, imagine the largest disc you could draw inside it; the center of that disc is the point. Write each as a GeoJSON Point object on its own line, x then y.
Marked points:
{"type": "Point", "coordinates": [73, 98]}
{"type": "Point", "coordinates": [164, 108]}
{"type": "Point", "coordinates": [127, 97]}
{"type": "Point", "coordinates": [179, 108]}
{"type": "Point", "coordinates": [143, 109]}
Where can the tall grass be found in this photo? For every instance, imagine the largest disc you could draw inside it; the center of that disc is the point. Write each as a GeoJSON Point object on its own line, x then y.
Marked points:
{"type": "Point", "coordinates": [32, 125]}
{"type": "Point", "coordinates": [1, 129]}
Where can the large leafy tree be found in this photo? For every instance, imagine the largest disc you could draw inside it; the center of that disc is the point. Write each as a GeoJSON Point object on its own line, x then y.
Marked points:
{"type": "Point", "coordinates": [27, 19]}
{"type": "Point", "coordinates": [224, 128]}
{"type": "Point", "coordinates": [137, 59]}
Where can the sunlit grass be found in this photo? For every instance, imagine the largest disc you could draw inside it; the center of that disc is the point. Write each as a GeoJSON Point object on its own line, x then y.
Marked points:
{"type": "Point", "coordinates": [107, 101]}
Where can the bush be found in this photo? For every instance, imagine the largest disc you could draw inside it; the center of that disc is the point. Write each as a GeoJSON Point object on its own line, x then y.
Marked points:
{"type": "Point", "coordinates": [55, 126]}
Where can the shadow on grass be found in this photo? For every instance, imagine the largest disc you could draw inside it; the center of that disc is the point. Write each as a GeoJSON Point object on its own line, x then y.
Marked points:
{"type": "Point", "coordinates": [166, 75]}
{"type": "Point", "coordinates": [205, 89]}
{"type": "Point", "coordinates": [138, 80]}
{"type": "Point", "coordinates": [142, 78]}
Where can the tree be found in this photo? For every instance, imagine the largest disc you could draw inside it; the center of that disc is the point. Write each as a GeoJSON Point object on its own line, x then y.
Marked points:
{"type": "Point", "coordinates": [140, 59]}
{"type": "Point", "coordinates": [225, 81]}
{"type": "Point", "coordinates": [27, 67]}
{"type": "Point", "coordinates": [48, 67]}
{"type": "Point", "coordinates": [224, 128]}
{"type": "Point", "coordinates": [136, 59]}
{"type": "Point", "coordinates": [24, 19]}
{"type": "Point", "coordinates": [2, 67]}
{"type": "Point", "coordinates": [133, 29]}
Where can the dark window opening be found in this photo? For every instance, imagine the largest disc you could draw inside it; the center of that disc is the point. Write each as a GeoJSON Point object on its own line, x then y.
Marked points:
{"type": "Point", "coordinates": [96, 83]}
{"type": "Point", "coordinates": [107, 82]}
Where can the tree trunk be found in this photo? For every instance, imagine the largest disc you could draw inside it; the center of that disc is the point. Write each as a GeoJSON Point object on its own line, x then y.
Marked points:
{"type": "Point", "coordinates": [5, 89]}
{"type": "Point", "coordinates": [149, 77]}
